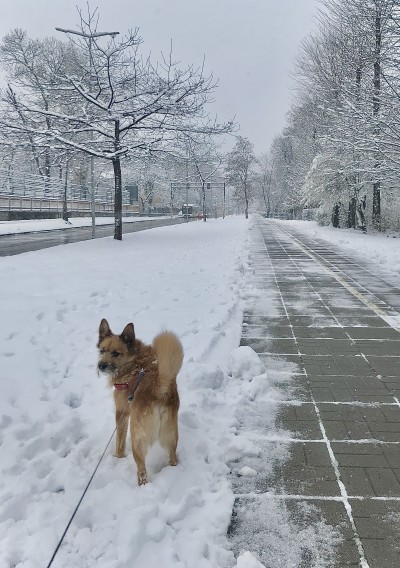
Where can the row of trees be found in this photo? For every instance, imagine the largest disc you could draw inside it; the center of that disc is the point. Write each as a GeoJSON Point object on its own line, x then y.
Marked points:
{"type": "Point", "coordinates": [92, 94]}
{"type": "Point", "coordinates": [340, 149]}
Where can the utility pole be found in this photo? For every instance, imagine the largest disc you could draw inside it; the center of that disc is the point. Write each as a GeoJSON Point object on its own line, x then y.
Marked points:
{"type": "Point", "coordinates": [90, 37]}
{"type": "Point", "coordinates": [187, 186]}
{"type": "Point", "coordinates": [223, 207]}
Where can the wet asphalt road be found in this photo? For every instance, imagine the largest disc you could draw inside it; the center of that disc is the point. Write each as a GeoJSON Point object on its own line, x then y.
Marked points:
{"type": "Point", "coordinates": [25, 242]}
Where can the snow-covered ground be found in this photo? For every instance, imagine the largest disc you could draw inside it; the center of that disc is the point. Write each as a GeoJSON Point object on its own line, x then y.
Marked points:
{"type": "Point", "coordinates": [35, 225]}
{"type": "Point", "coordinates": [56, 414]}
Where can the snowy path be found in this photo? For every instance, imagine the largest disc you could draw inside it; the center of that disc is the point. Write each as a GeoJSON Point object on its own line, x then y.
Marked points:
{"type": "Point", "coordinates": [328, 492]}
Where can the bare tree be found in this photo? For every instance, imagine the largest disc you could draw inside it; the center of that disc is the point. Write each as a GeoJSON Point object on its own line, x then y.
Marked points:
{"type": "Point", "coordinates": [116, 103]}
{"type": "Point", "coordinates": [239, 168]}
{"type": "Point", "coordinates": [32, 68]}
{"type": "Point", "coordinates": [264, 180]}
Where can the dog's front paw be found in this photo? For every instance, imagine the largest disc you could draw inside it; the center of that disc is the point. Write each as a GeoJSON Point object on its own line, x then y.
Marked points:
{"type": "Point", "coordinates": [119, 455]}
{"type": "Point", "coordinates": [173, 462]}
{"type": "Point", "coordinates": [142, 478]}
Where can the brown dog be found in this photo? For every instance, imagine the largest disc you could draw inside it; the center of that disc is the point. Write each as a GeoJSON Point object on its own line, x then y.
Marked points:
{"type": "Point", "coordinates": [148, 374]}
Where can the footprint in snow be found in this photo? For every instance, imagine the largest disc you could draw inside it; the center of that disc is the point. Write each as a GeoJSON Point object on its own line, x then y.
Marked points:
{"type": "Point", "coordinates": [73, 400]}
{"type": "Point", "coordinates": [26, 434]}
{"type": "Point", "coordinates": [42, 468]}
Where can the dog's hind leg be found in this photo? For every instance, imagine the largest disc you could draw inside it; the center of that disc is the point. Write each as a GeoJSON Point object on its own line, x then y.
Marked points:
{"type": "Point", "coordinates": [145, 427]}
{"type": "Point", "coordinates": [140, 446]}
{"type": "Point", "coordinates": [169, 433]}
{"type": "Point", "coordinates": [121, 419]}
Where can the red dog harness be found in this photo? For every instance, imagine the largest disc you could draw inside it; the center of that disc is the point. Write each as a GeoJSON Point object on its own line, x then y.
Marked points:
{"type": "Point", "coordinates": [125, 386]}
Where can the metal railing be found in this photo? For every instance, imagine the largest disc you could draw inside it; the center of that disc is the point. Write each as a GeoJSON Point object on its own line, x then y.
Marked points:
{"type": "Point", "coordinates": [25, 203]}
{"type": "Point", "coordinates": [22, 191]}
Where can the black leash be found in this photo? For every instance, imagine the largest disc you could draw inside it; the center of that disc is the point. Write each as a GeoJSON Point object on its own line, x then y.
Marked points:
{"type": "Point", "coordinates": [136, 384]}
{"type": "Point", "coordinates": [130, 398]}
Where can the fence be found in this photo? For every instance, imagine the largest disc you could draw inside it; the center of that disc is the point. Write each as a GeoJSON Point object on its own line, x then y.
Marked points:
{"type": "Point", "coordinates": [21, 191]}
{"type": "Point", "coordinates": [40, 204]}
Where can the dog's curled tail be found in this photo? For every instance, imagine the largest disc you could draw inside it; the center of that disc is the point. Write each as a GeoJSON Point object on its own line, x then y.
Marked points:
{"type": "Point", "coordinates": [169, 354]}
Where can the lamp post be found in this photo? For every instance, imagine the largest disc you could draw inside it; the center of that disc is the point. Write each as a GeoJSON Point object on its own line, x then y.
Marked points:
{"type": "Point", "coordinates": [223, 207]}
{"type": "Point", "coordinates": [90, 37]}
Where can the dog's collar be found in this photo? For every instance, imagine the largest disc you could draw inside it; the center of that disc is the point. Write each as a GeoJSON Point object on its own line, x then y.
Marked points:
{"type": "Point", "coordinates": [125, 386]}
{"type": "Point", "coordinates": [121, 386]}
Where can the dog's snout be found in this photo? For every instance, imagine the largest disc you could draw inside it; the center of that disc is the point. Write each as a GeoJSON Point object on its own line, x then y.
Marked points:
{"type": "Point", "coordinates": [102, 366]}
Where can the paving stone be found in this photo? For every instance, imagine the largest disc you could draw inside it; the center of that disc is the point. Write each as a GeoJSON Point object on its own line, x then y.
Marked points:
{"type": "Point", "coordinates": [336, 365]}
{"type": "Point", "coordinates": [289, 363]}
{"type": "Point", "coordinates": [313, 321]}
{"type": "Point", "coordinates": [392, 455]}
{"type": "Point", "coordinates": [268, 331]}
{"type": "Point", "coordinates": [327, 347]}
{"type": "Point", "coordinates": [356, 481]}
{"type": "Point", "coordinates": [302, 422]}
{"type": "Point", "coordinates": [261, 523]}
{"type": "Point", "coordinates": [351, 312]}
{"type": "Point", "coordinates": [293, 387]}
{"type": "Point", "coordinates": [348, 430]}
{"type": "Point", "coordinates": [384, 482]}
{"type": "Point", "coordinates": [294, 294]}
{"type": "Point", "coordinates": [290, 279]}
{"type": "Point", "coordinates": [388, 432]}
{"type": "Point", "coordinates": [390, 383]}
{"type": "Point", "coordinates": [381, 348]}
{"type": "Point", "coordinates": [372, 332]}
{"type": "Point", "coordinates": [385, 365]}
{"type": "Point", "coordinates": [378, 524]}
{"type": "Point", "coordinates": [319, 332]}
{"type": "Point", "coordinates": [257, 319]}
{"type": "Point", "coordinates": [360, 321]}
{"type": "Point", "coordinates": [348, 412]}
{"type": "Point", "coordinates": [360, 455]}
{"type": "Point", "coordinates": [331, 392]}
{"type": "Point", "coordinates": [274, 346]}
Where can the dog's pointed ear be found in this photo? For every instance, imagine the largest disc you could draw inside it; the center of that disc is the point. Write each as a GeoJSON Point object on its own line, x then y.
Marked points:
{"type": "Point", "coordinates": [104, 329]}
{"type": "Point", "coordinates": [128, 335]}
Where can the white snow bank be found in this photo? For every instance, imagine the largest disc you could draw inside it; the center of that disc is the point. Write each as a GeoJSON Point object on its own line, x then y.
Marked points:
{"type": "Point", "coordinates": [248, 560]}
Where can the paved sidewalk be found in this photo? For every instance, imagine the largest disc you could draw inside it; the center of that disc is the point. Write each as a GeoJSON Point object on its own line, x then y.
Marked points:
{"type": "Point", "coordinates": [340, 417]}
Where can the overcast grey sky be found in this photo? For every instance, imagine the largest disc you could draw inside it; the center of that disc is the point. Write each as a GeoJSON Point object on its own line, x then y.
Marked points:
{"type": "Point", "coordinates": [249, 45]}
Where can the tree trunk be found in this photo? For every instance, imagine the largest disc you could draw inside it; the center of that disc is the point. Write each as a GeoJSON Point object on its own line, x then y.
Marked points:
{"type": "Point", "coordinates": [336, 215]}
{"type": "Point", "coordinates": [47, 171]}
{"type": "Point", "coordinates": [117, 199]}
{"type": "Point", "coordinates": [351, 218]}
{"type": "Point", "coordinates": [204, 202]}
{"type": "Point", "coordinates": [118, 186]}
{"type": "Point", "coordinates": [65, 202]}
{"type": "Point", "coordinates": [376, 188]}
